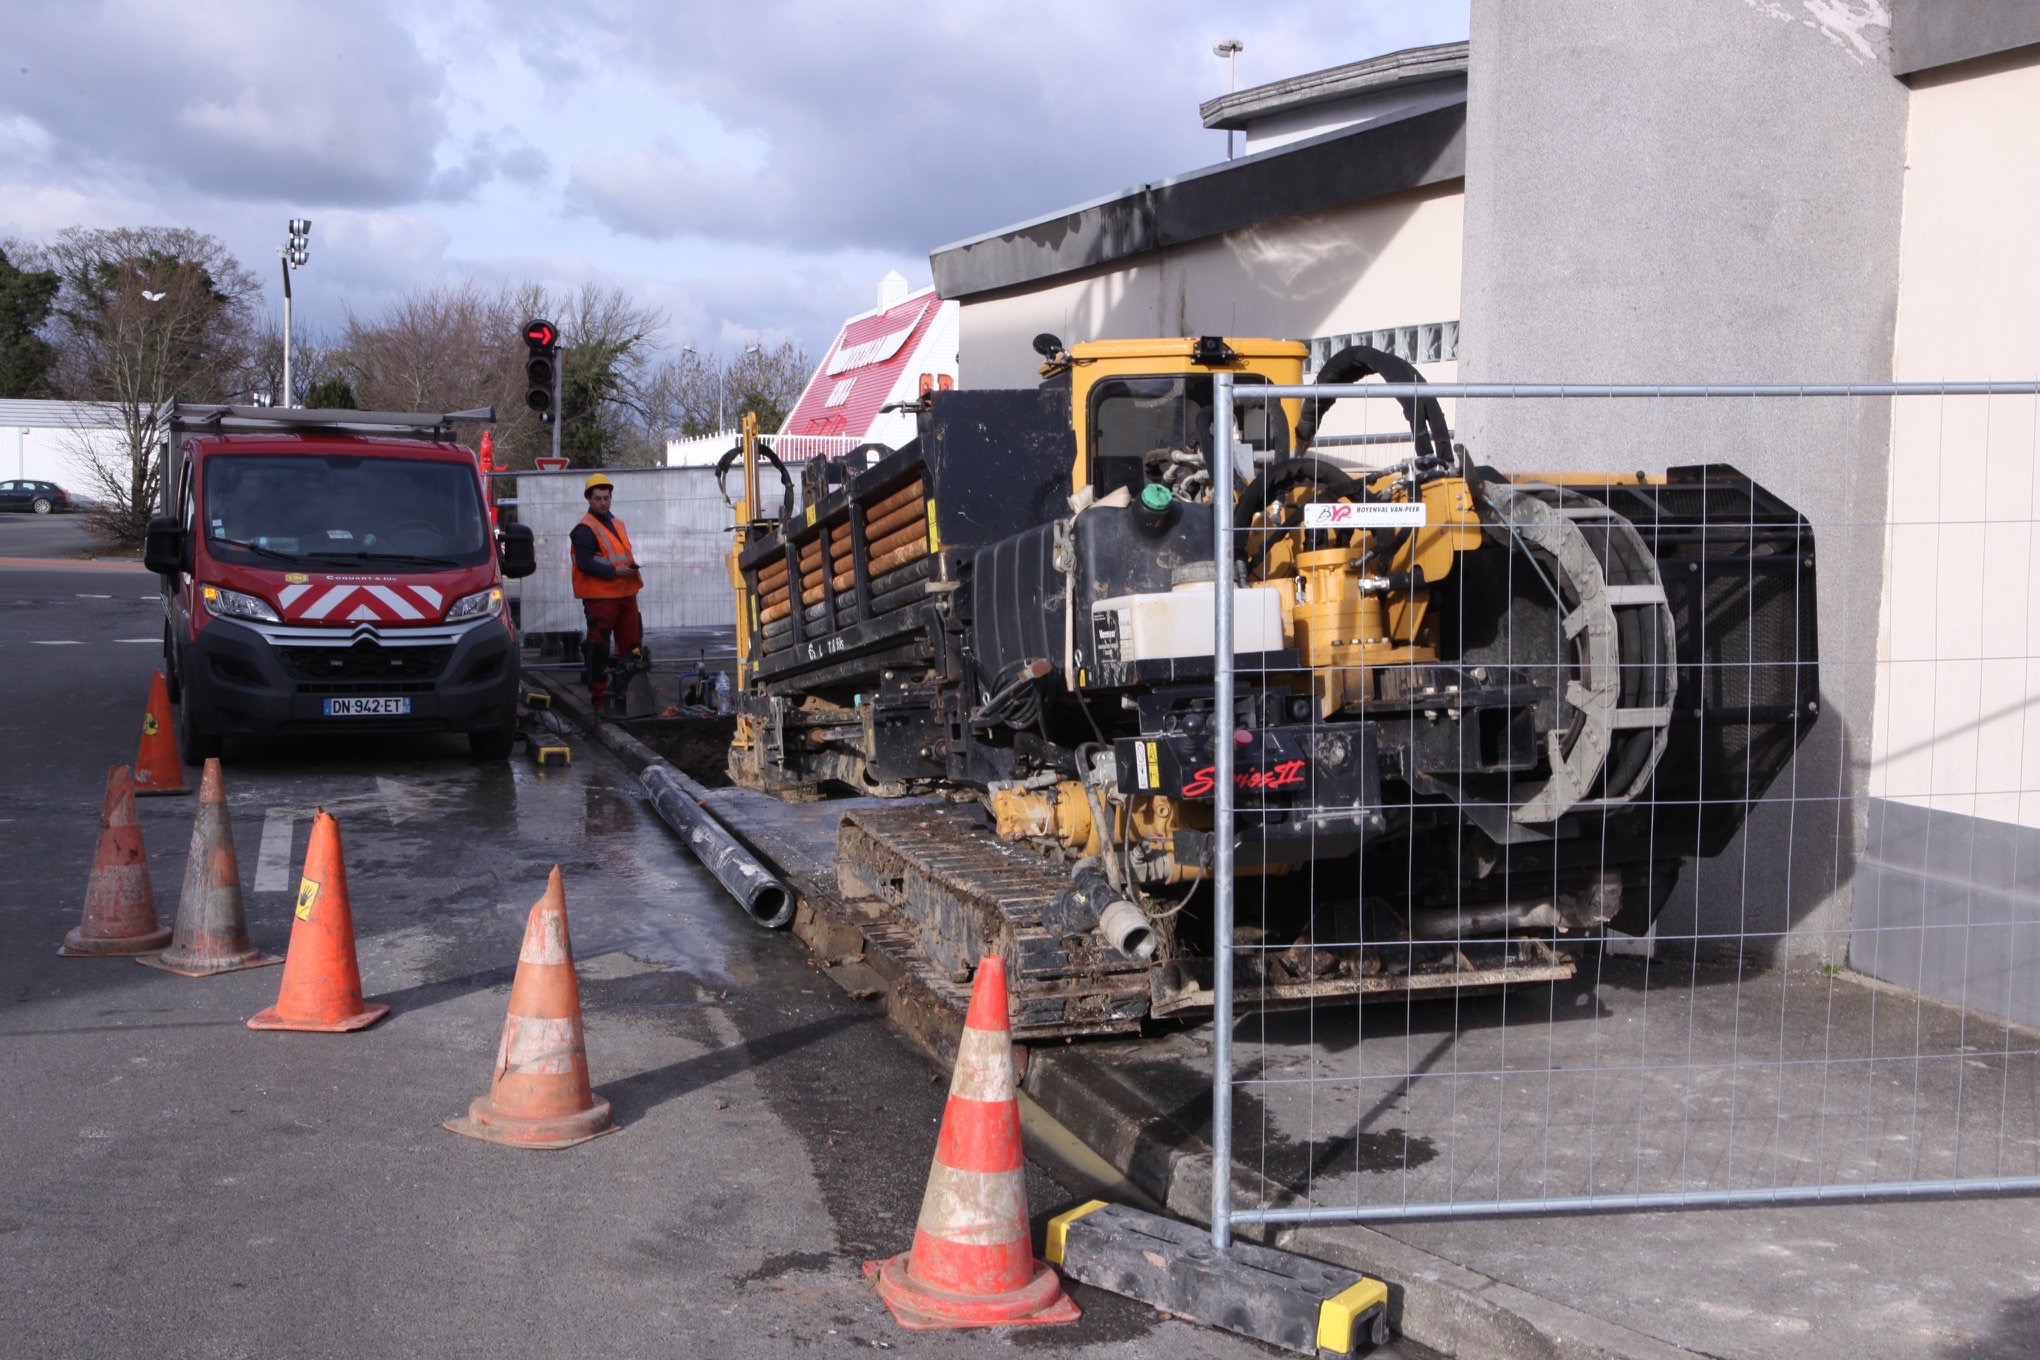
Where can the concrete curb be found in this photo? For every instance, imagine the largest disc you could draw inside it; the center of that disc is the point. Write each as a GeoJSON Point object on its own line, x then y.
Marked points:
{"type": "Point", "coordinates": [1433, 1301]}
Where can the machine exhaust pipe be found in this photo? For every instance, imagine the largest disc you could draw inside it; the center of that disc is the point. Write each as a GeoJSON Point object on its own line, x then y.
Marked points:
{"type": "Point", "coordinates": [763, 896]}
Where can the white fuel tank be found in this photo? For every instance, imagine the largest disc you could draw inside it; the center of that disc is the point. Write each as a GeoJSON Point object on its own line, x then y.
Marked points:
{"type": "Point", "coordinates": [1168, 625]}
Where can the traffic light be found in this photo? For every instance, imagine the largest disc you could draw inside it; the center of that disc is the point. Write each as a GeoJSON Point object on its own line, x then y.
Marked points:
{"type": "Point", "coordinates": [541, 367]}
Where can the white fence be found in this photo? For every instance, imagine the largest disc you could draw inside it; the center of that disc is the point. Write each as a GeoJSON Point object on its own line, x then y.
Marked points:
{"type": "Point", "coordinates": [679, 526]}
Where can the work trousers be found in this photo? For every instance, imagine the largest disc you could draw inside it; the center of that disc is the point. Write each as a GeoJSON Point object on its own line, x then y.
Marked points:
{"type": "Point", "coordinates": [614, 627]}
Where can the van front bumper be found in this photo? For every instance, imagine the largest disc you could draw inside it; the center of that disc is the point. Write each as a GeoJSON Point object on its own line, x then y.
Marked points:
{"type": "Point", "coordinates": [256, 680]}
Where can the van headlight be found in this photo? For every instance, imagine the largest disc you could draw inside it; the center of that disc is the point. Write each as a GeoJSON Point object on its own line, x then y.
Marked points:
{"type": "Point", "coordinates": [232, 604]}
{"type": "Point", "coordinates": [483, 604]}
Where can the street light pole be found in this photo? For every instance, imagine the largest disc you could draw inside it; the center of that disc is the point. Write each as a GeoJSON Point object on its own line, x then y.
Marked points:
{"type": "Point", "coordinates": [1229, 48]}
{"type": "Point", "coordinates": [294, 254]}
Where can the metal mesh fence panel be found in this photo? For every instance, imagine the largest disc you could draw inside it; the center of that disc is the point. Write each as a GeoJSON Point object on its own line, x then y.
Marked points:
{"type": "Point", "coordinates": [679, 525]}
{"type": "Point", "coordinates": [1705, 862]}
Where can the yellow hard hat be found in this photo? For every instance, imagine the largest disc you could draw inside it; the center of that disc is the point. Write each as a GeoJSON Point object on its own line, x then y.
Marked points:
{"type": "Point", "coordinates": [595, 479]}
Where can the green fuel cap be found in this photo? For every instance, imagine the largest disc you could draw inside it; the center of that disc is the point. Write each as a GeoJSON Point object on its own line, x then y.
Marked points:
{"type": "Point", "coordinates": [1156, 497]}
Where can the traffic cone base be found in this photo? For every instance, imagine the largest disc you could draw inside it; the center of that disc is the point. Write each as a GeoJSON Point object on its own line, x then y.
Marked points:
{"type": "Point", "coordinates": [321, 988]}
{"type": "Point", "coordinates": [212, 927]}
{"type": "Point", "coordinates": [194, 967]}
{"type": "Point", "coordinates": [79, 946]}
{"type": "Point", "coordinates": [972, 1263]}
{"type": "Point", "coordinates": [484, 1121]}
{"type": "Point", "coordinates": [275, 1018]}
{"type": "Point", "coordinates": [158, 770]}
{"type": "Point", "coordinates": [120, 906]}
{"type": "Point", "coordinates": [539, 1096]}
{"type": "Point", "coordinates": [920, 1308]}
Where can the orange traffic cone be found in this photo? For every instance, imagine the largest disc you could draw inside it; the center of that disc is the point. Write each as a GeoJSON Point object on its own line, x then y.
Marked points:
{"type": "Point", "coordinates": [540, 1097]}
{"type": "Point", "coordinates": [120, 906]}
{"type": "Point", "coordinates": [212, 926]}
{"type": "Point", "coordinates": [321, 982]}
{"type": "Point", "coordinates": [157, 768]}
{"type": "Point", "coordinates": [972, 1264]}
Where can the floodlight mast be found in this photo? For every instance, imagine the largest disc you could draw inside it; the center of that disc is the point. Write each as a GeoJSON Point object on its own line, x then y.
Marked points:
{"type": "Point", "coordinates": [295, 252]}
{"type": "Point", "coordinates": [1229, 48]}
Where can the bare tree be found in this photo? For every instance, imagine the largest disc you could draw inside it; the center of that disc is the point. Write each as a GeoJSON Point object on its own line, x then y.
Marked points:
{"type": "Point", "coordinates": [693, 391]}
{"type": "Point", "coordinates": [315, 363]}
{"type": "Point", "coordinates": [146, 314]}
{"type": "Point", "coordinates": [456, 346]}
{"type": "Point", "coordinates": [606, 387]}
{"type": "Point", "coordinates": [444, 347]}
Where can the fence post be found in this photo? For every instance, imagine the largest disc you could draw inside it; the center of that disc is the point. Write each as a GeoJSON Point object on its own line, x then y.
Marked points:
{"type": "Point", "coordinates": [1222, 814]}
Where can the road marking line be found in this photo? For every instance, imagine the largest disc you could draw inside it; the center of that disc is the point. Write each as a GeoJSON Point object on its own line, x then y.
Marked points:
{"type": "Point", "coordinates": [60, 642]}
{"type": "Point", "coordinates": [83, 596]}
{"type": "Point", "coordinates": [136, 639]}
{"type": "Point", "coordinates": [272, 861]}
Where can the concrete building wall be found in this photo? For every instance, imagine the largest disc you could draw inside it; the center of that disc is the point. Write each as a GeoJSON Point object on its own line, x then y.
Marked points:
{"type": "Point", "coordinates": [1948, 898]}
{"type": "Point", "coordinates": [56, 441]}
{"type": "Point", "coordinates": [1706, 191]}
{"type": "Point", "coordinates": [1389, 261]}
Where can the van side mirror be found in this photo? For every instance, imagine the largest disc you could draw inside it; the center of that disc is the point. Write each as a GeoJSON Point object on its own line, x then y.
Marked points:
{"type": "Point", "coordinates": [516, 550]}
{"type": "Point", "coordinates": [166, 550]}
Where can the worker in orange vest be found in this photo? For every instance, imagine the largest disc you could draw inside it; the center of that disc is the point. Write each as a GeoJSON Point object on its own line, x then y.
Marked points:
{"type": "Point", "coordinates": [606, 582]}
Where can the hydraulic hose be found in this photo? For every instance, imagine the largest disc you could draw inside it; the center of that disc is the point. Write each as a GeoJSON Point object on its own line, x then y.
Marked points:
{"type": "Point", "coordinates": [1428, 430]}
{"type": "Point", "coordinates": [736, 451]}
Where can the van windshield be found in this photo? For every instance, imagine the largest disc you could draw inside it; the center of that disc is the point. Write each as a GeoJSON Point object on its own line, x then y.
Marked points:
{"type": "Point", "coordinates": [343, 508]}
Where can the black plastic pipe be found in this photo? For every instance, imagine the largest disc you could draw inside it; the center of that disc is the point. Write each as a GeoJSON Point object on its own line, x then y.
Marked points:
{"type": "Point", "coordinates": [763, 896]}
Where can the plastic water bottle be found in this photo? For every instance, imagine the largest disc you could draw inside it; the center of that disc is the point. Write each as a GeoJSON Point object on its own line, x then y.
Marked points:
{"type": "Point", "coordinates": [723, 702]}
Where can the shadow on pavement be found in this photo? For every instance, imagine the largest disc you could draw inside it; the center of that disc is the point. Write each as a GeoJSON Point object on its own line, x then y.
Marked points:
{"type": "Point", "coordinates": [634, 1097]}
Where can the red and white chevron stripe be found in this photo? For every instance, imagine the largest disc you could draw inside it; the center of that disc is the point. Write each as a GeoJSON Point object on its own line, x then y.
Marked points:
{"type": "Point", "coordinates": [352, 602]}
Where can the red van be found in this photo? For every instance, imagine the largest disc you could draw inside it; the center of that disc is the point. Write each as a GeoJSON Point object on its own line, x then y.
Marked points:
{"type": "Point", "coordinates": [330, 572]}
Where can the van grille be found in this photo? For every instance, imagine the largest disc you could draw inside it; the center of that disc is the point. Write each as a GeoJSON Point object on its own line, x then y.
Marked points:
{"type": "Point", "coordinates": [364, 661]}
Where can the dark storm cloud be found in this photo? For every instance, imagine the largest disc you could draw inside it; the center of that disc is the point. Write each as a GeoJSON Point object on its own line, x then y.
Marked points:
{"type": "Point", "coordinates": [318, 102]}
{"type": "Point", "coordinates": [915, 124]}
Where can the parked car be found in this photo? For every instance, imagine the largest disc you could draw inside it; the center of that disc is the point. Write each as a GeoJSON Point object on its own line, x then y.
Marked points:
{"type": "Point", "coordinates": [41, 498]}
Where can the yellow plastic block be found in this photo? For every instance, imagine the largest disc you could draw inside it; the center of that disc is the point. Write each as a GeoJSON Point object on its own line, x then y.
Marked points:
{"type": "Point", "coordinates": [1339, 1316]}
{"type": "Point", "coordinates": [1059, 1227]}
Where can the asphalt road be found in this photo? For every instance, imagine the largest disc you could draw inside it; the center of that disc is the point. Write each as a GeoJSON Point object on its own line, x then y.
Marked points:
{"type": "Point", "coordinates": [177, 1186]}
{"type": "Point", "coordinates": [46, 536]}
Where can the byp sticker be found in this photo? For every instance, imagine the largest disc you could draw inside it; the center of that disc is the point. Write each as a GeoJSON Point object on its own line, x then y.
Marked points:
{"type": "Point", "coordinates": [307, 893]}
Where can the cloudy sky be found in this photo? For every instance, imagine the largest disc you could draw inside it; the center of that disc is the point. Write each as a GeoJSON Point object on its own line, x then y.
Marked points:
{"type": "Point", "coordinates": [750, 168]}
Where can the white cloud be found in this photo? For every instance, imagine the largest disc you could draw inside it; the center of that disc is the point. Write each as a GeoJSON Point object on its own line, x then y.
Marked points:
{"type": "Point", "coordinates": [238, 98]}
{"type": "Point", "coordinates": [751, 169]}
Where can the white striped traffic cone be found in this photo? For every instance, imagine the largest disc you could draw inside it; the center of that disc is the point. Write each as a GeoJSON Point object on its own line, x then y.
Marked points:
{"type": "Point", "coordinates": [540, 1096]}
{"type": "Point", "coordinates": [972, 1264]}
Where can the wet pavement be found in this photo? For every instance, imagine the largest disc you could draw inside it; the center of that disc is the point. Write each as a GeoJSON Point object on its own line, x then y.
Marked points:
{"type": "Point", "coordinates": [179, 1186]}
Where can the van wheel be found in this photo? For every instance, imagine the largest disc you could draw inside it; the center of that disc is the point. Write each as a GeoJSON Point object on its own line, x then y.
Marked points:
{"type": "Point", "coordinates": [493, 744]}
{"type": "Point", "coordinates": [194, 743]}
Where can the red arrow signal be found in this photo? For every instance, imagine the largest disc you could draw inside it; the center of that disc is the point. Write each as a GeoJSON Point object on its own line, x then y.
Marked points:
{"type": "Point", "coordinates": [540, 334]}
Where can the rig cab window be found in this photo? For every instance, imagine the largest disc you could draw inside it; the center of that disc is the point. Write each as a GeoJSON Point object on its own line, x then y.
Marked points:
{"type": "Point", "coordinates": [1132, 418]}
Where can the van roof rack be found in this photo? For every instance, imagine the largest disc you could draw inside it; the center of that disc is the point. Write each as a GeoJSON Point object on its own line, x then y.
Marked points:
{"type": "Point", "coordinates": [189, 417]}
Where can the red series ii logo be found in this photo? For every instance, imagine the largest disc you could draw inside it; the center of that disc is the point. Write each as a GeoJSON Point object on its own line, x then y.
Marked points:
{"type": "Point", "coordinates": [1267, 779]}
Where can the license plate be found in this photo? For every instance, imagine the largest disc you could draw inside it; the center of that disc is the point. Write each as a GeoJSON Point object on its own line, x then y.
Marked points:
{"type": "Point", "coordinates": [367, 707]}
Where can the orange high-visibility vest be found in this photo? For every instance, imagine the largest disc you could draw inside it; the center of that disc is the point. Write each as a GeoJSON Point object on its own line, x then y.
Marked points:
{"type": "Point", "coordinates": [612, 547]}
